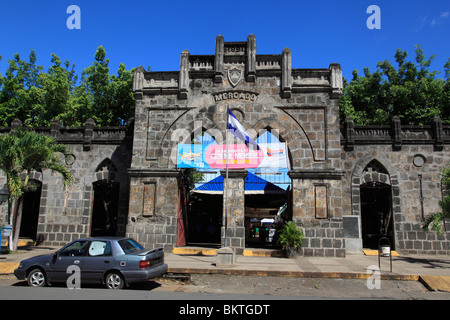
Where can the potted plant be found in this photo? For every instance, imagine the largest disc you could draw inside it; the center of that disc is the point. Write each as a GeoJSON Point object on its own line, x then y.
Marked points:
{"type": "Point", "coordinates": [291, 238]}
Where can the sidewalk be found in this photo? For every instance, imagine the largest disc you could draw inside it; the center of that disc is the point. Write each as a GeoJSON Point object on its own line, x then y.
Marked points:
{"type": "Point", "coordinates": [432, 271]}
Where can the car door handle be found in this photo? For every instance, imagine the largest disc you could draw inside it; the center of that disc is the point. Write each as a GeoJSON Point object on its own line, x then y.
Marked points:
{"type": "Point", "coordinates": [106, 261]}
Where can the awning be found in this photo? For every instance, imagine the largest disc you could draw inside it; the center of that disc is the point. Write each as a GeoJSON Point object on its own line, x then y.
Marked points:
{"type": "Point", "coordinates": [253, 185]}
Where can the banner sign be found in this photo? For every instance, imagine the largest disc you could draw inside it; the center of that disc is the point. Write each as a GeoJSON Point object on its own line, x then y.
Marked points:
{"type": "Point", "coordinates": [213, 156]}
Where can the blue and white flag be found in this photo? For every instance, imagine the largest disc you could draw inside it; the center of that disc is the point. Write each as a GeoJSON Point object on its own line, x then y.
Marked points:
{"type": "Point", "coordinates": [238, 130]}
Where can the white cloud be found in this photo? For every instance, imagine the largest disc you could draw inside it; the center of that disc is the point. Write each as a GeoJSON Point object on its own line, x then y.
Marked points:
{"type": "Point", "coordinates": [444, 15]}
{"type": "Point", "coordinates": [426, 20]}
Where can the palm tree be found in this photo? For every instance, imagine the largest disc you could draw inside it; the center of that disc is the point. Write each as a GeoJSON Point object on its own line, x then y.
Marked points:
{"type": "Point", "coordinates": [21, 153]}
{"type": "Point", "coordinates": [435, 221]}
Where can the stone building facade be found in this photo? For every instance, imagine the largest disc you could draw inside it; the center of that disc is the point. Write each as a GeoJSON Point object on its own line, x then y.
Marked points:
{"type": "Point", "coordinates": [336, 172]}
{"type": "Point", "coordinates": [329, 163]}
{"type": "Point", "coordinates": [57, 216]}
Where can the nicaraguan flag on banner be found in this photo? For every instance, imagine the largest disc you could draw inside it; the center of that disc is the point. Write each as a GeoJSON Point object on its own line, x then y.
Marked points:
{"type": "Point", "coordinates": [238, 130]}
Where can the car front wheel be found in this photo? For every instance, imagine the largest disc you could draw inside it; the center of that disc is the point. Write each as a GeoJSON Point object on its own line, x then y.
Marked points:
{"type": "Point", "coordinates": [114, 280]}
{"type": "Point", "coordinates": [36, 278]}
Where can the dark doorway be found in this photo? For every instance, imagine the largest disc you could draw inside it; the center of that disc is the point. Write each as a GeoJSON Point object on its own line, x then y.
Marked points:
{"type": "Point", "coordinates": [261, 219]}
{"type": "Point", "coordinates": [204, 219]}
{"type": "Point", "coordinates": [376, 214]}
{"type": "Point", "coordinates": [30, 212]}
{"type": "Point", "coordinates": [105, 208]}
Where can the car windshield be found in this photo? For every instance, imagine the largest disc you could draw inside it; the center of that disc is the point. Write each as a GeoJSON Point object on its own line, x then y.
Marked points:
{"type": "Point", "coordinates": [75, 249]}
{"type": "Point", "coordinates": [130, 246]}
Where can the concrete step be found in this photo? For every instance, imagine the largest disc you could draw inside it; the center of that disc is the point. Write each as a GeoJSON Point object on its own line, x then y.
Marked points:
{"type": "Point", "coordinates": [198, 251]}
{"type": "Point", "coordinates": [248, 252]}
{"type": "Point", "coordinates": [263, 253]}
{"type": "Point", "coordinates": [23, 242]}
{"type": "Point", "coordinates": [369, 252]}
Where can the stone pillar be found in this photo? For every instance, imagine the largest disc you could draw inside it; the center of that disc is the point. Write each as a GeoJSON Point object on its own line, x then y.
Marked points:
{"type": "Point", "coordinates": [153, 207]}
{"type": "Point", "coordinates": [316, 207]}
{"type": "Point", "coordinates": [55, 127]}
{"type": "Point", "coordinates": [396, 129]}
{"type": "Point", "coordinates": [286, 73]}
{"type": "Point", "coordinates": [218, 60]}
{"type": "Point", "coordinates": [438, 134]}
{"type": "Point", "coordinates": [236, 209]}
{"type": "Point", "coordinates": [88, 134]}
{"type": "Point", "coordinates": [183, 81]}
{"type": "Point", "coordinates": [336, 80]}
{"type": "Point", "coordinates": [251, 58]}
{"type": "Point", "coordinates": [138, 82]}
{"type": "Point", "coordinates": [349, 133]}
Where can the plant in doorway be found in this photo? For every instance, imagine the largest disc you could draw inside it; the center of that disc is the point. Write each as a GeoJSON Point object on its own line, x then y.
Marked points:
{"type": "Point", "coordinates": [437, 221]}
{"type": "Point", "coordinates": [291, 238]}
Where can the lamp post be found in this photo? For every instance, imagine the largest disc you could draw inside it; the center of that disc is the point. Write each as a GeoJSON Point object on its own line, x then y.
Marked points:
{"type": "Point", "coordinates": [4, 196]}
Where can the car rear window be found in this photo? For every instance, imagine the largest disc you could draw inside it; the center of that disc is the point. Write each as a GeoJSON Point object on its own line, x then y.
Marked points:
{"type": "Point", "coordinates": [130, 246]}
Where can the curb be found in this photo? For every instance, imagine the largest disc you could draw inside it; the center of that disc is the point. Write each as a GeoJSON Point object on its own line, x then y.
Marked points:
{"type": "Point", "coordinates": [432, 283]}
{"type": "Point", "coordinates": [436, 283]}
{"type": "Point", "coordinates": [8, 267]}
{"type": "Point", "coordinates": [296, 274]}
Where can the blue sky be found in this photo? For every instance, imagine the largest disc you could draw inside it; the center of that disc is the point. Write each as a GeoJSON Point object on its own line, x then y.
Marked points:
{"type": "Point", "coordinates": [154, 33]}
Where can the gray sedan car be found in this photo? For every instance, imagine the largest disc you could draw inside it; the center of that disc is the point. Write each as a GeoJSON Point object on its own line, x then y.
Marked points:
{"type": "Point", "coordinates": [113, 261]}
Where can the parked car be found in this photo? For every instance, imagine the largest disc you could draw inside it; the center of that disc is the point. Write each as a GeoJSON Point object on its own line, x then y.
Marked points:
{"type": "Point", "coordinates": [113, 261]}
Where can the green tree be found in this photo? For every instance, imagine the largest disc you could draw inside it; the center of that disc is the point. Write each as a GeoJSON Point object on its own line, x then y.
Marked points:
{"type": "Point", "coordinates": [36, 97]}
{"type": "Point", "coordinates": [107, 99]}
{"type": "Point", "coordinates": [21, 153]}
{"type": "Point", "coordinates": [120, 93]}
{"type": "Point", "coordinates": [21, 95]}
{"type": "Point", "coordinates": [57, 84]}
{"type": "Point", "coordinates": [410, 91]}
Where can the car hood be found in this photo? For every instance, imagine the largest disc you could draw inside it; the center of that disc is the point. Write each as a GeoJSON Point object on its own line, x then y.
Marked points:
{"type": "Point", "coordinates": [37, 259]}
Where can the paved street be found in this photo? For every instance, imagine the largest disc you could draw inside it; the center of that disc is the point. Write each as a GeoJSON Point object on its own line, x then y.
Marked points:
{"type": "Point", "coordinates": [226, 287]}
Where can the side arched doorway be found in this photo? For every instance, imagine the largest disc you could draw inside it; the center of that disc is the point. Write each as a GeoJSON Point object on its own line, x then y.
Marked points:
{"type": "Point", "coordinates": [105, 208]}
{"type": "Point", "coordinates": [376, 200]}
{"type": "Point", "coordinates": [376, 214]}
{"type": "Point", "coordinates": [30, 211]}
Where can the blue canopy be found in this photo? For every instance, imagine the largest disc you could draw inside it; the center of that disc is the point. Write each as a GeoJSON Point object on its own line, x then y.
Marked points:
{"type": "Point", "coordinates": [253, 185]}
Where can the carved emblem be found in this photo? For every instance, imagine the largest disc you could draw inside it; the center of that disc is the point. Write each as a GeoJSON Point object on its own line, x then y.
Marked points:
{"type": "Point", "coordinates": [234, 76]}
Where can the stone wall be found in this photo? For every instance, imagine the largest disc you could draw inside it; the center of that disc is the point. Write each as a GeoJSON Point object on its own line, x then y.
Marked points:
{"type": "Point", "coordinates": [100, 154]}
{"type": "Point", "coordinates": [413, 158]}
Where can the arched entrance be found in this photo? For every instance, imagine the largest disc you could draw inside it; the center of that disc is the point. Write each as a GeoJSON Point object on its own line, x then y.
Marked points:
{"type": "Point", "coordinates": [376, 199]}
{"type": "Point", "coordinates": [266, 197]}
{"type": "Point", "coordinates": [30, 211]}
{"type": "Point", "coordinates": [105, 208]}
{"type": "Point", "coordinates": [105, 205]}
{"type": "Point", "coordinates": [376, 214]}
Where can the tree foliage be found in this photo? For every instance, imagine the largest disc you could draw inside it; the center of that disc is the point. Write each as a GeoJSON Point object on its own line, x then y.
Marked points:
{"type": "Point", "coordinates": [410, 91]}
{"type": "Point", "coordinates": [435, 221]}
{"type": "Point", "coordinates": [21, 153]}
{"type": "Point", "coordinates": [36, 97]}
